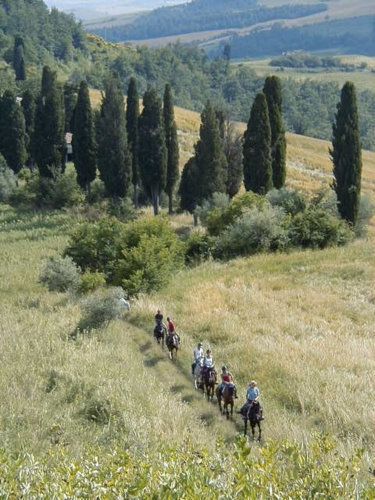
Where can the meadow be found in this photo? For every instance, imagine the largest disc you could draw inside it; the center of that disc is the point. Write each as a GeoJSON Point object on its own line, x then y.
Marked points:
{"type": "Point", "coordinates": [363, 80]}
{"type": "Point", "coordinates": [301, 324]}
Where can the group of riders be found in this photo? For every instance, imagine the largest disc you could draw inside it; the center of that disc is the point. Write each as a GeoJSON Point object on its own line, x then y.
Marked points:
{"type": "Point", "coordinates": [203, 365]}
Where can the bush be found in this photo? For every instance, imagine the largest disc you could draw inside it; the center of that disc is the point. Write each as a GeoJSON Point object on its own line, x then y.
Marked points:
{"type": "Point", "coordinates": [8, 181]}
{"type": "Point", "coordinates": [97, 191]}
{"type": "Point", "coordinates": [150, 253]}
{"type": "Point", "coordinates": [219, 219]}
{"type": "Point", "coordinates": [256, 231]}
{"type": "Point", "coordinates": [139, 256]}
{"type": "Point", "coordinates": [198, 248]}
{"type": "Point", "coordinates": [101, 308]}
{"type": "Point", "coordinates": [122, 209]}
{"type": "Point", "coordinates": [61, 191]}
{"type": "Point", "coordinates": [291, 201]}
{"type": "Point", "coordinates": [219, 201]}
{"type": "Point", "coordinates": [366, 212]}
{"type": "Point", "coordinates": [91, 282]}
{"type": "Point", "coordinates": [58, 192]}
{"type": "Point", "coordinates": [60, 274]}
{"type": "Point", "coordinates": [317, 228]}
{"type": "Point", "coordinates": [94, 246]}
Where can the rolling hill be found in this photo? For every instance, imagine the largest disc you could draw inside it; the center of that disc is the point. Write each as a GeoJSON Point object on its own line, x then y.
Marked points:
{"type": "Point", "coordinates": [300, 323]}
{"type": "Point", "coordinates": [249, 27]}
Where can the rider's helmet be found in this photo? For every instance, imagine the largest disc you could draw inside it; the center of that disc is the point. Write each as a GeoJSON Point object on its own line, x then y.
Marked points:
{"type": "Point", "coordinates": [224, 368]}
{"type": "Point", "coordinates": [208, 351]}
{"type": "Point", "coordinates": [200, 344]}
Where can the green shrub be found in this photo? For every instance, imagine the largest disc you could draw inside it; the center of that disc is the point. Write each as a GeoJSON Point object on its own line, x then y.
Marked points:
{"type": "Point", "coordinates": [256, 231]}
{"type": "Point", "coordinates": [366, 212]}
{"type": "Point", "coordinates": [139, 256]}
{"type": "Point", "coordinates": [290, 200]}
{"type": "Point", "coordinates": [58, 192]}
{"type": "Point", "coordinates": [219, 219]}
{"type": "Point", "coordinates": [100, 308]}
{"type": "Point", "coordinates": [60, 274]}
{"type": "Point", "coordinates": [91, 282]}
{"type": "Point", "coordinates": [95, 246]}
{"type": "Point", "coordinates": [219, 202]}
{"type": "Point", "coordinates": [150, 253]}
{"type": "Point", "coordinates": [317, 228]}
{"type": "Point", "coordinates": [122, 209]}
{"type": "Point", "coordinates": [198, 248]}
{"type": "Point", "coordinates": [61, 191]}
{"type": "Point", "coordinates": [97, 191]}
{"type": "Point", "coordinates": [8, 181]}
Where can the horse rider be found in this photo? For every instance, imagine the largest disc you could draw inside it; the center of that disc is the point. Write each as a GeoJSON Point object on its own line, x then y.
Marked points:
{"type": "Point", "coordinates": [198, 354]}
{"type": "Point", "coordinates": [227, 380]}
{"type": "Point", "coordinates": [170, 325]}
{"type": "Point", "coordinates": [158, 317]}
{"type": "Point", "coordinates": [208, 363]}
{"type": "Point", "coordinates": [253, 393]}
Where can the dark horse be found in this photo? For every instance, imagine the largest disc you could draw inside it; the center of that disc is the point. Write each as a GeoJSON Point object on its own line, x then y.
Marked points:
{"type": "Point", "coordinates": [173, 344]}
{"type": "Point", "coordinates": [159, 334]}
{"type": "Point", "coordinates": [225, 399]}
{"type": "Point", "coordinates": [209, 381]}
{"type": "Point", "coordinates": [253, 413]}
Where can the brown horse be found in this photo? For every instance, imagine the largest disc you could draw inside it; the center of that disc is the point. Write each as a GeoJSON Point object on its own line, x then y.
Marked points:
{"type": "Point", "coordinates": [253, 413]}
{"type": "Point", "coordinates": [225, 399]}
{"type": "Point", "coordinates": [173, 344]}
{"type": "Point", "coordinates": [210, 380]}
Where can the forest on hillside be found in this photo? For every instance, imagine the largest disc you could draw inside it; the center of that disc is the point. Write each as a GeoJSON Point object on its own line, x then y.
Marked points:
{"type": "Point", "coordinates": [205, 15]}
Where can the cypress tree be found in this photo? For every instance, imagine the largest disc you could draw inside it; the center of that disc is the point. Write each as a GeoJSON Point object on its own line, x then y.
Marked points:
{"type": "Point", "coordinates": [12, 132]}
{"type": "Point", "coordinates": [84, 147]}
{"type": "Point", "coordinates": [70, 102]}
{"type": "Point", "coordinates": [114, 159]}
{"type": "Point", "coordinates": [19, 65]}
{"type": "Point", "coordinates": [272, 91]}
{"type": "Point", "coordinates": [49, 138]}
{"type": "Point", "coordinates": [189, 187]}
{"type": "Point", "coordinates": [232, 142]}
{"type": "Point", "coordinates": [153, 151]}
{"type": "Point", "coordinates": [257, 160]}
{"type": "Point", "coordinates": [28, 107]}
{"type": "Point", "coordinates": [210, 158]}
{"type": "Point", "coordinates": [132, 126]}
{"type": "Point", "coordinates": [347, 155]}
{"type": "Point", "coordinates": [171, 141]}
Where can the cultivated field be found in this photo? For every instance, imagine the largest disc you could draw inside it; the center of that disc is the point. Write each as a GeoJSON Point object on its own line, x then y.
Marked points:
{"type": "Point", "coordinates": [363, 80]}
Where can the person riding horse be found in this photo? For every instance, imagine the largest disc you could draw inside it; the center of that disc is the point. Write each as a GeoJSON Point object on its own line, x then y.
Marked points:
{"type": "Point", "coordinates": [227, 380]}
{"type": "Point", "coordinates": [208, 364]}
{"type": "Point", "coordinates": [252, 410]}
{"type": "Point", "coordinates": [173, 339]}
{"type": "Point", "coordinates": [198, 354]}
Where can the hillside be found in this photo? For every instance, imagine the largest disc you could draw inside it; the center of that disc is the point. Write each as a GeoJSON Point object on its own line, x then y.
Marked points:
{"type": "Point", "coordinates": [342, 25]}
{"type": "Point", "coordinates": [300, 323]}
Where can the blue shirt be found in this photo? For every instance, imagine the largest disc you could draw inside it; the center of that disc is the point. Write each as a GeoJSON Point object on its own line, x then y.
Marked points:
{"type": "Point", "coordinates": [252, 393]}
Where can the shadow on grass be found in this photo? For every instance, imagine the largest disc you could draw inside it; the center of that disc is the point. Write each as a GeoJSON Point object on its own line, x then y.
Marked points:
{"type": "Point", "coordinates": [145, 347]}
{"type": "Point", "coordinates": [150, 363]}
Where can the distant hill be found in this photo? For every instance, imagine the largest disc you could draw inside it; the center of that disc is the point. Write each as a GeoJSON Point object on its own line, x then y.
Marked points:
{"type": "Point", "coordinates": [206, 15]}
{"type": "Point", "coordinates": [254, 28]}
{"type": "Point", "coordinates": [89, 10]}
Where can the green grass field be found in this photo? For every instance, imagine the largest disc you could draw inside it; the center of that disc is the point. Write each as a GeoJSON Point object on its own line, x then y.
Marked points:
{"type": "Point", "coordinates": [364, 80]}
{"type": "Point", "coordinates": [301, 324]}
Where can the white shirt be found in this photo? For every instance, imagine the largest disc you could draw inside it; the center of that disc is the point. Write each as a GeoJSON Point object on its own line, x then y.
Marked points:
{"type": "Point", "coordinates": [208, 362]}
{"type": "Point", "coordinates": [198, 353]}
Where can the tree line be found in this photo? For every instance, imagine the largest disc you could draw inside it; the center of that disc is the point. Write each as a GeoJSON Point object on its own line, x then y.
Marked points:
{"type": "Point", "coordinates": [264, 153]}
{"type": "Point", "coordinates": [127, 147]}
{"type": "Point", "coordinates": [134, 150]}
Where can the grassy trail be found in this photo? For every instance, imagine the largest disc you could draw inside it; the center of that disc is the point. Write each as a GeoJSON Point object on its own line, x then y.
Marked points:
{"type": "Point", "coordinates": [175, 378]}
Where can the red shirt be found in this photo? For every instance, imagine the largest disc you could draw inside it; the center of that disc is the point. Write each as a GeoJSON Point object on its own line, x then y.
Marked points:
{"type": "Point", "coordinates": [171, 327]}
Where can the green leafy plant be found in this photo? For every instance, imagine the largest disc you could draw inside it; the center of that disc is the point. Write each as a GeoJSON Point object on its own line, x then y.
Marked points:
{"type": "Point", "coordinates": [60, 274]}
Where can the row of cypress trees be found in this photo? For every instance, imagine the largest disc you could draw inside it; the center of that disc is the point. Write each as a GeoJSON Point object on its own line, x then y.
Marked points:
{"type": "Point", "coordinates": [127, 147]}
{"type": "Point", "coordinates": [130, 147]}
{"type": "Point", "coordinates": [264, 153]}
